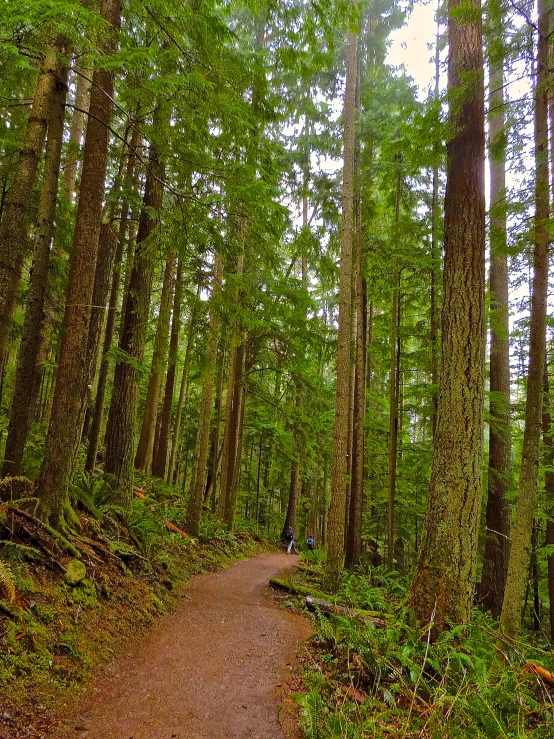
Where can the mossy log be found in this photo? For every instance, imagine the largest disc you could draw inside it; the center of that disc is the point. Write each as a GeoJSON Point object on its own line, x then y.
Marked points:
{"type": "Point", "coordinates": [318, 598]}
{"type": "Point", "coordinates": [331, 609]}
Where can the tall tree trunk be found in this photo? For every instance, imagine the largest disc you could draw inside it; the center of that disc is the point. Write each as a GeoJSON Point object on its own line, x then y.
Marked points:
{"type": "Point", "coordinates": [335, 533]}
{"type": "Point", "coordinates": [194, 507]}
{"type": "Point", "coordinates": [120, 428]}
{"type": "Point", "coordinates": [159, 464]}
{"type": "Point", "coordinates": [394, 420]}
{"type": "Point", "coordinates": [63, 432]}
{"type": "Point", "coordinates": [233, 474]}
{"type": "Point", "coordinates": [433, 318]}
{"type": "Point", "coordinates": [394, 387]}
{"type": "Point", "coordinates": [182, 396]}
{"type": "Point", "coordinates": [80, 110]}
{"type": "Point", "coordinates": [520, 548]}
{"type": "Point", "coordinates": [94, 436]}
{"type": "Point", "coordinates": [354, 538]}
{"type": "Point", "coordinates": [107, 246]}
{"type": "Point", "coordinates": [231, 411]}
{"type": "Point", "coordinates": [495, 562]}
{"type": "Point", "coordinates": [215, 451]}
{"type": "Point", "coordinates": [443, 583]}
{"type": "Point", "coordinates": [549, 490]}
{"type": "Point", "coordinates": [13, 228]}
{"type": "Point", "coordinates": [28, 367]}
{"type": "Point", "coordinates": [294, 485]}
{"type": "Point", "coordinates": [143, 458]}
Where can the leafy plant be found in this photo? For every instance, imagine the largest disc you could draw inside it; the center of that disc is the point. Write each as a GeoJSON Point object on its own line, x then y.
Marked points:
{"type": "Point", "coordinates": [7, 583]}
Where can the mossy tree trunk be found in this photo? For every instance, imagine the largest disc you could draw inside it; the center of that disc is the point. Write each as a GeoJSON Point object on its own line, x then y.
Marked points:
{"type": "Point", "coordinates": [145, 450]}
{"type": "Point", "coordinates": [335, 530]}
{"type": "Point", "coordinates": [394, 387]}
{"type": "Point", "coordinates": [521, 535]}
{"type": "Point", "coordinates": [120, 427]}
{"type": "Point", "coordinates": [94, 436]}
{"type": "Point", "coordinates": [182, 396]}
{"type": "Point", "coordinates": [28, 368]}
{"type": "Point", "coordinates": [78, 118]}
{"type": "Point", "coordinates": [443, 583]}
{"type": "Point", "coordinates": [13, 228]}
{"type": "Point", "coordinates": [354, 535]}
{"type": "Point", "coordinates": [159, 463]}
{"type": "Point", "coordinates": [63, 432]}
{"type": "Point", "coordinates": [495, 560]}
{"type": "Point", "coordinates": [234, 461]}
{"type": "Point", "coordinates": [194, 506]}
{"type": "Point", "coordinates": [549, 489]}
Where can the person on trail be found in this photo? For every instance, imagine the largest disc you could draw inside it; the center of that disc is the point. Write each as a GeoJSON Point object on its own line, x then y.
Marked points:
{"type": "Point", "coordinates": [289, 538]}
{"type": "Point", "coordinates": [310, 543]}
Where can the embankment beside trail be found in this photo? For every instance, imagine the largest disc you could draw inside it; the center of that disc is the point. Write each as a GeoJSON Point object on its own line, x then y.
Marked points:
{"type": "Point", "coordinates": [55, 633]}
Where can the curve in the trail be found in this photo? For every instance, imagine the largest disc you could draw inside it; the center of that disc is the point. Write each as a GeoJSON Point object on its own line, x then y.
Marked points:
{"type": "Point", "coordinates": [209, 670]}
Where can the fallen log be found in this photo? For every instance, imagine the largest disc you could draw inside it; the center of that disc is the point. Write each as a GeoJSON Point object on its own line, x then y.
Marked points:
{"type": "Point", "coordinates": [176, 530]}
{"type": "Point", "coordinates": [320, 598]}
{"type": "Point", "coordinates": [289, 587]}
{"type": "Point", "coordinates": [317, 604]}
{"type": "Point", "coordinates": [532, 668]}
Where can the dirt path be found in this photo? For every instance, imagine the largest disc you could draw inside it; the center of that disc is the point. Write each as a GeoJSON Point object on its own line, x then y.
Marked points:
{"type": "Point", "coordinates": [209, 670]}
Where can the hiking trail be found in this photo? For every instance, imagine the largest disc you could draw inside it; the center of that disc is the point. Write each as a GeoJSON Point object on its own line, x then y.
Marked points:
{"type": "Point", "coordinates": [210, 669]}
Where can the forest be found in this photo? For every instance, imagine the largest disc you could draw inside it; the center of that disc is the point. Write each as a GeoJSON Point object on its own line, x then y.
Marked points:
{"type": "Point", "coordinates": [253, 277]}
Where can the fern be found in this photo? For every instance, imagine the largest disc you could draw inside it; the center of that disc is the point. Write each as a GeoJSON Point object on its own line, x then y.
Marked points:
{"type": "Point", "coordinates": [7, 582]}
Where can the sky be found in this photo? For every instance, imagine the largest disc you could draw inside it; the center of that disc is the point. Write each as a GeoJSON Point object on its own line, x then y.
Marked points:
{"type": "Point", "coordinates": [409, 46]}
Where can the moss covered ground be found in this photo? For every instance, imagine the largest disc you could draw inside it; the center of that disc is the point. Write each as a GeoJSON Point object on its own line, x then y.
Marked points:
{"type": "Point", "coordinates": [54, 634]}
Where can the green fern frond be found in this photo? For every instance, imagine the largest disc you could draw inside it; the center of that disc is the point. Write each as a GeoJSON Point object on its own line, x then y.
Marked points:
{"type": "Point", "coordinates": [7, 582]}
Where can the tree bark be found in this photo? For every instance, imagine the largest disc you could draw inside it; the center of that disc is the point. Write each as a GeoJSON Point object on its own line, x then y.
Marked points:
{"type": "Point", "coordinates": [354, 538]}
{"type": "Point", "coordinates": [433, 318]}
{"type": "Point", "coordinates": [145, 450]}
{"type": "Point", "coordinates": [231, 409]}
{"type": "Point", "coordinates": [215, 450]}
{"type": "Point", "coordinates": [73, 155]}
{"type": "Point", "coordinates": [13, 228]}
{"type": "Point", "coordinates": [335, 532]}
{"type": "Point", "coordinates": [443, 583]}
{"type": "Point", "coordinates": [394, 388]}
{"type": "Point", "coordinates": [521, 547]}
{"type": "Point", "coordinates": [63, 432]}
{"type": "Point", "coordinates": [120, 428]}
{"type": "Point", "coordinates": [94, 436]}
{"type": "Point", "coordinates": [28, 366]}
{"type": "Point", "coordinates": [549, 490]}
{"type": "Point", "coordinates": [233, 474]}
{"type": "Point", "coordinates": [495, 561]}
{"type": "Point", "coordinates": [159, 464]}
{"type": "Point", "coordinates": [194, 507]}
{"type": "Point", "coordinates": [182, 396]}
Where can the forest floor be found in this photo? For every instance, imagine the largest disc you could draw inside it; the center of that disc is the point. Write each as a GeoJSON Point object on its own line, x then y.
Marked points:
{"type": "Point", "coordinates": [216, 667]}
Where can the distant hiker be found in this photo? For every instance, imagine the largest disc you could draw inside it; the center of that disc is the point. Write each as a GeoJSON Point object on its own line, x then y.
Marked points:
{"type": "Point", "coordinates": [310, 543]}
{"type": "Point", "coordinates": [289, 538]}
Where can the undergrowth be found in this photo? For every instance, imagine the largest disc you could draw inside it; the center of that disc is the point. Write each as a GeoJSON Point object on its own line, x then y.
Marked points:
{"type": "Point", "coordinates": [371, 682]}
{"type": "Point", "coordinates": [52, 633]}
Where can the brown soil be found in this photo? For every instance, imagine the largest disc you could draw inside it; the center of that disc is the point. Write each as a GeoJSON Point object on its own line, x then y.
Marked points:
{"type": "Point", "coordinates": [211, 669]}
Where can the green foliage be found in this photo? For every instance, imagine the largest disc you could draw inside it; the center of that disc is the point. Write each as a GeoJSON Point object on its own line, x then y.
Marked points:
{"type": "Point", "coordinates": [374, 681]}
{"type": "Point", "coordinates": [7, 583]}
